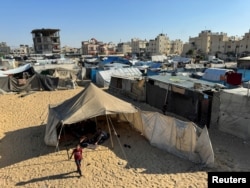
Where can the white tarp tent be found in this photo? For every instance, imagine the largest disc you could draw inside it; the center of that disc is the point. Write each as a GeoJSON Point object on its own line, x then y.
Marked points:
{"type": "Point", "coordinates": [183, 139]}
{"type": "Point", "coordinates": [103, 78]}
{"type": "Point", "coordinates": [234, 112]}
{"type": "Point", "coordinates": [15, 70]}
{"type": "Point", "coordinates": [215, 74]}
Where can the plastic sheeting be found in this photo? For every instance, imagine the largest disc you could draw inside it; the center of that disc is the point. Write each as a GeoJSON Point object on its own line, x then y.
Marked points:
{"type": "Point", "coordinates": [234, 112]}
{"type": "Point", "coordinates": [183, 139]}
{"type": "Point", "coordinates": [215, 74]}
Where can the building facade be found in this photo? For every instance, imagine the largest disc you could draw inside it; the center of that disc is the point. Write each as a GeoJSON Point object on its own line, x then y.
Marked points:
{"type": "Point", "coordinates": [218, 43]}
{"type": "Point", "coordinates": [176, 46]}
{"type": "Point", "coordinates": [124, 48]}
{"type": "Point", "coordinates": [46, 41]}
{"type": "Point", "coordinates": [94, 47]}
{"type": "Point", "coordinates": [4, 49]}
{"type": "Point", "coordinates": [138, 46]}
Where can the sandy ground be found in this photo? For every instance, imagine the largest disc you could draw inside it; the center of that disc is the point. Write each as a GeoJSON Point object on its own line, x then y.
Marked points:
{"type": "Point", "coordinates": [26, 161]}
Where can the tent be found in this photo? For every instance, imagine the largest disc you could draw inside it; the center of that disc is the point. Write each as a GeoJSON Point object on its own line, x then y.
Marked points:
{"type": "Point", "coordinates": [215, 74]}
{"type": "Point", "coordinates": [90, 102]}
{"type": "Point", "coordinates": [26, 78]}
{"type": "Point", "coordinates": [103, 77]}
{"type": "Point", "coordinates": [233, 111]}
{"type": "Point", "coordinates": [178, 137]}
{"type": "Point", "coordinates": [181, 138]}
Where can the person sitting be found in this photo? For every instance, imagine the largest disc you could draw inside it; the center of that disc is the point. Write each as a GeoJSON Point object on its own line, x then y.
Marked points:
{"type": "Point", "coordinates": [101, 136]}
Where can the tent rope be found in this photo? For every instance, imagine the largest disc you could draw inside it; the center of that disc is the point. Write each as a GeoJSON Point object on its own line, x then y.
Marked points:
{"type": "Point", "coordinates": [125, 156]}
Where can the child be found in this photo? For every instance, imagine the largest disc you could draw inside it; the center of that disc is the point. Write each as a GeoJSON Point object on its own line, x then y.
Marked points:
{"type": "Point", "coordinates": [77, 152]}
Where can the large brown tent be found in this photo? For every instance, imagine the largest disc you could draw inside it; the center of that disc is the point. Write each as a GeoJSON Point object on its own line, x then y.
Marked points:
{"type": "Point", "coordinates": [90, 102]}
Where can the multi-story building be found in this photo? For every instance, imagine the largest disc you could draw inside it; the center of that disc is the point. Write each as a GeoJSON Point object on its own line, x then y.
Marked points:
{"type": "Point", "coordinates": [94, 47]}
{"type": "Point", "coordinates": [202, 42]}
{"type": "Point", "coordinates": [160, 45]}
{"type": "Point", "coordinates": [46, 41]}
{"type": "Point", "coordinates": [23, 50]}
{"type": "Point", "coordinates": [138, 46]}
{"type": "Point", "coordinates": [4, 49]}
{"type": "Point", "coordinates": [124, 48]}
{"type": "Point", "coordinates": [69, 50]}
{"type": "Point", "coordinates": [176, 46]}
{"type": "Point", "coordinates": [107, 49]}
{"type": "Point", "coordinates": [244, 45]}
{"type": "Point", "coordinates": [90, 47]}
{"type": "Point", "coordinates": [209, 43]}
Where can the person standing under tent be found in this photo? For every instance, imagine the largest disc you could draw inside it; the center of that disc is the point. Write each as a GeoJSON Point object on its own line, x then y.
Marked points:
{"type": "Point", "coordinates": [77, 152]}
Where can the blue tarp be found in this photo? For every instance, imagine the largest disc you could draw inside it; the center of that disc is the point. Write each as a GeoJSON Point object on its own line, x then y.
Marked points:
{"type": "Point", "coordinates": [245, 74]}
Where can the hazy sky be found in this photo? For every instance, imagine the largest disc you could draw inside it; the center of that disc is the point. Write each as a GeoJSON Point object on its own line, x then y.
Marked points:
{"type": "Point", "coordinates": [120, 20]}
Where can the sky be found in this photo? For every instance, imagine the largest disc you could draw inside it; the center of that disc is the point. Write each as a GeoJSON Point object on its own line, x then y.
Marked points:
{"type": "Point", "coordinates": [120, 20]}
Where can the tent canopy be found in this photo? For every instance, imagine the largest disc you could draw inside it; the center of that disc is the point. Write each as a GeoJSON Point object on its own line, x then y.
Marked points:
{"type": "Point", "coordinates": [90, 102]}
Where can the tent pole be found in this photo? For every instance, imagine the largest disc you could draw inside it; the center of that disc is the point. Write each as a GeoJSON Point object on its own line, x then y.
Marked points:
{"type": "Point", "coordinates": [58, 138]}
{"type": "Point", "coordinates": [112, 144]}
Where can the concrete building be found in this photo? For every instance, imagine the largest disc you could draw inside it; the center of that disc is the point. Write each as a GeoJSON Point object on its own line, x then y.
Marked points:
{"type": "Point", "coordinates": [4, 49]}
{"type": "Point", "coordinates": [94, 47]}
{"type": "Point", "coordinates": [138, 46]}
{"type": "Point", "coordinates": [176, 47]}
{"type": "Point", "coordinates": [124, 48]}
{"type": "Point", "coordinates": [211, 43]}
{"type": "Point", "coordinates": [90, 47]}
{"type": "Point", "coordinates": [46, 41]}
{"type": "Point", "coordinates": [160, 45]}
{"type": "Point", "coordinates": [244, 45]}
{"type": "Point", "coordinates": [67, 50]}
{"type": "Point", "coordinates": [22, 50]}
{"type": "Point", "coordinates": [107, 49]}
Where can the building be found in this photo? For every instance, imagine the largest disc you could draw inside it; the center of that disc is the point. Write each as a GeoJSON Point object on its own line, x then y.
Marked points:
{"type": "Point", "coordinates": [4, 49]}
{"type": "Point", "coordinates": [160, 45]}
{"type": "Point", "coordinates": [176, 46]}
{"type": "Point", "coordinates": [244, 45]}
{"type": "Point", "coordinates": [138, 46]}
{"type": "Point", "coordinates": [124, 48]}
{"type": "Point", "coordinates": [218, 44]}
{"type": "Point", "coordinates": [67, 50]}
{"type": "Point", "coordinates": [22, 50]}
{"type": "Point", "coordinates": [107, 49]}
{"type": "Point", "coordinates": [95, 47]}
{"type": "Point", "coordinates": [46, 41]}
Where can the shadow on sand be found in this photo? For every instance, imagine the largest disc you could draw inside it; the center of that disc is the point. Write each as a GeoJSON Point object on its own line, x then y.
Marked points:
{"type": "Point", "coordinates": [54, 177]}
{"type": "Point", "coordinates": [23, 144]}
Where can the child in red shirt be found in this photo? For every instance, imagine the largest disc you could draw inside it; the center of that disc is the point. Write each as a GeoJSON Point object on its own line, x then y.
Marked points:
{"type": "Point", "coordinates": [77, 152]}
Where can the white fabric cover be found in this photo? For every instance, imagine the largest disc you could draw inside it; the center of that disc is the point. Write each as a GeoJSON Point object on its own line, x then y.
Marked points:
{"type": "Point", "coordinates": [183, 139]}
{"type": "Point", "coordinates": [214, 74]}
{"type": "Point", "coordinates": [234, 116]}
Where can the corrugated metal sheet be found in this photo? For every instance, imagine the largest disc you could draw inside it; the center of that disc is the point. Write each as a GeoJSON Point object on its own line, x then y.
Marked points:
{"type": "Point", "coordinates": [182, 81]}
